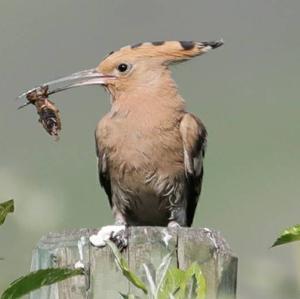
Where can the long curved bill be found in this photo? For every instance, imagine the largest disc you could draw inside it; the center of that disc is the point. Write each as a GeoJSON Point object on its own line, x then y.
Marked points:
{"type": "Point", "coordinates": [83, 78]}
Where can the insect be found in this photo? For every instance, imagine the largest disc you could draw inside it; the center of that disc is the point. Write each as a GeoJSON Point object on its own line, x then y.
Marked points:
{"type": "Point", "coordinates": [46, 109]}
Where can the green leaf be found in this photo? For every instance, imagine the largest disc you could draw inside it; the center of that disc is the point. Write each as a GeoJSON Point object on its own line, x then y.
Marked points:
{"type": "Point", "coordinates": [162, 271]}
{"type": "Point", "coordinates": [37, 279]}
{"type": "Point", "coordinates": [5, 208]}
{"type": "Point", "coordinates": [200, 281]}
{"type": "Point", "coordinates": [129, 296]}
{"type": "Point", "coordinates": [150, 279]}
{"type": "Point", "coordinates": [122, 264]}
{"type": "Point", "coordinates": [289, 235]}
{"type": "Point", "coordinates": [171, 284]}
{"type": "Point", "coordinates": [181, 284]}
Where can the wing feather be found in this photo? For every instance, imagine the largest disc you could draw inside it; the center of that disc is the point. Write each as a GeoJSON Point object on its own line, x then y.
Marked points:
{"type": "Point", "coordinates": [194, 137]}
{"type": "Point", "coordinates": [103, 172]}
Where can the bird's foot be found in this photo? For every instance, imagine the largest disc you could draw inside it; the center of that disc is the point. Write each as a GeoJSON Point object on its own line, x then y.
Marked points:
{"type": "Point", "coordinates": [115, 233]}
{"type": "Point", "coordinates": [173, 224]}
{"type": "Point", "coordinates": [120, 238]}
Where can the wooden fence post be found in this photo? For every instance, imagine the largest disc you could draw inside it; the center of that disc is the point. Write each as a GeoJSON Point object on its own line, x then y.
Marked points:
{"type": "Point", "coordinates": [146, 245]}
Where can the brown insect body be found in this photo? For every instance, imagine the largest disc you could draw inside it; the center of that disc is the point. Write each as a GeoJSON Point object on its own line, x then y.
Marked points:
{"type": "Point", "coordinates": [46, 109]}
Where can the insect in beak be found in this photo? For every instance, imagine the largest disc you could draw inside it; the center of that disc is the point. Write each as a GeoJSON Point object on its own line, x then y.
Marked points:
{"type": "Point", "coordinates": [83, 78]}
{"type": "Point", "coordinates": [49, 115]}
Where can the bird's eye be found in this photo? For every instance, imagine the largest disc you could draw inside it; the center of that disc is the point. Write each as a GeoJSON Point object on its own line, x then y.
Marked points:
{"type": "Point", "coordinates": [123, 67]}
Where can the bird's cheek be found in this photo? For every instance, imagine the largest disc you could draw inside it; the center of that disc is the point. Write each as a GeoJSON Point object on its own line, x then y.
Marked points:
{"type": "Point", "coordinates": [118, 85]}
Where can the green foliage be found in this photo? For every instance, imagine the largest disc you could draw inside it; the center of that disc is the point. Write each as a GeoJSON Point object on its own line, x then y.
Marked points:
{"type": "Point", "coordinates": [5, 208]}
{"type": "Point", "coordinates": [130, 296]}
{"type": "Point", "coordinates": [156, 284]}
{"type": "Point", "coordinates": [37, 279]}
{"type": "Point", "coordinates": [289, 235]}
{"type": "Point", "coordinates": [189, 284]}
{"type": "Point", "coordinates": [123, 266]}
{"type": "Point", "coordinates": [167, 282]}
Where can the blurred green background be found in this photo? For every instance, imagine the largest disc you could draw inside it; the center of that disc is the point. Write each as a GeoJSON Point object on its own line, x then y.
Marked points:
{"type": "Point", "coordinates": [247, 94]}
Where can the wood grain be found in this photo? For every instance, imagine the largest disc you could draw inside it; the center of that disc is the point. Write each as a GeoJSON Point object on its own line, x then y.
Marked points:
{"type": "Point", "coordinates": [147, 246]}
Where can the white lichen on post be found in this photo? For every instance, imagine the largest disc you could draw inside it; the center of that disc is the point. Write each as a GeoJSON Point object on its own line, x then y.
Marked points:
{"type": "Point", "coordinates": [147, 245]}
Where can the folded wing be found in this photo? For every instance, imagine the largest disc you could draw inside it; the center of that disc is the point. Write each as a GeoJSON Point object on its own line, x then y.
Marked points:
{"type": "Point", "coordinates": [194, 137]}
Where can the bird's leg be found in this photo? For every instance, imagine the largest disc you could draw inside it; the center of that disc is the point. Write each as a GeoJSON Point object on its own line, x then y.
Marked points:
{"type": "Point", "coordinates": [120, 238]}
{"type": "Point", "coordinates": [117, 233]}
{"type": "Point", "coordinates": [119, 218]}
{"type": "Point", "coordinates": [177, 217]}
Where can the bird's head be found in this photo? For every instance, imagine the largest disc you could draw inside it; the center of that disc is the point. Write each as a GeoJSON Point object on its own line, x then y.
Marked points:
{"type": "Point", "coordinates": [136, 66]}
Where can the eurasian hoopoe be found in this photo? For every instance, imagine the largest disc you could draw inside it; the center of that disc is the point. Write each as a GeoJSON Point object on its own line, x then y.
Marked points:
{"type": "Point", "coordinates": [150, 150]}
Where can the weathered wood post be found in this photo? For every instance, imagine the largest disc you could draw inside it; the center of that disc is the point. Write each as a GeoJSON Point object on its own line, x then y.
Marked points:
{"type": "Point", "coordinates": [146, 245]}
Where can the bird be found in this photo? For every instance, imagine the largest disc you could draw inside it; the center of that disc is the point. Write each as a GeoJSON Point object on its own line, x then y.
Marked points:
{"type": "Point", "coordinates": [150, 150]}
